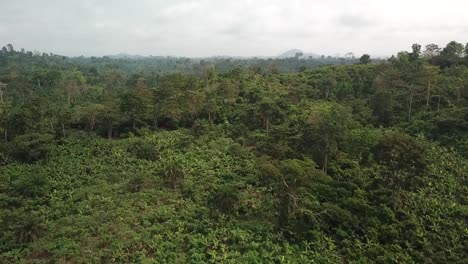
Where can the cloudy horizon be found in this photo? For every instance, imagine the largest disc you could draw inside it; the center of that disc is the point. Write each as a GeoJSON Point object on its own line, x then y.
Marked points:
{"type": "Point", "coordinates": [232, 28]}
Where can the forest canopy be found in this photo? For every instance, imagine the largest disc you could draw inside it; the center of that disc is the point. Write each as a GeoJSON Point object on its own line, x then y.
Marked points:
{"type": "Point", "coordinates": [223, 160]}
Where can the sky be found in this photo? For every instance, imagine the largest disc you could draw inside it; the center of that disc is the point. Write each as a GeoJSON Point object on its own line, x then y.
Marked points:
{"type": "Point", "coordinates": [229, 27]}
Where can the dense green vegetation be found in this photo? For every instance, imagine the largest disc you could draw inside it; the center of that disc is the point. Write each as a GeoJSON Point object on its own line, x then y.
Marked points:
{"type": "Point", "coordinates": [131, 161]}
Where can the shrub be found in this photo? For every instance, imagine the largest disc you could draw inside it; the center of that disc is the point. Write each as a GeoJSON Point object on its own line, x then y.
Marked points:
{"type": "Point", "coordinates": [5, 151]}
{"type": "Point", "coordinates": [32, 147]}
{"type": "Point", "coordinates": [143, 150]}
{"type": "Point", "coordinates": [226, 199]}
{"type": "Point", "coordinates": [173, 174]}
{"type": "Point", "coordinates": [136, 183]}
{"type": "Point", "coordinates": [33, 185]}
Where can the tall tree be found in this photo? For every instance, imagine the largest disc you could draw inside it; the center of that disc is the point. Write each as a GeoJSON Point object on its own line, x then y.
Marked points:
{"type": "Point", "coordinates": [10, 48]}
{"type": "Point", "coordinates": [365, 59]}
{"type": "Point", "coordinates": [72, 83]}
{"type": "Point", "coordinates": [431, 51]}
{"type": "Point", "coordinates": [403, 161]}
{"type": "Point", "coordinates": [414, 55]}
{"type": "Point", "coordinates": [466, 54]}
{"type": "Point", "coordinates": [453, 50]}
{"type": "Point", "coordinates": [110, 114]}
{"type": "Point", "coordinates": [136, 105]}
{"type": "Point", "coordinates": [430, 75]}
{"type": "Point", "coordinates": [327, 84]}
{"type": "Point", "coordinates": [325, 129]}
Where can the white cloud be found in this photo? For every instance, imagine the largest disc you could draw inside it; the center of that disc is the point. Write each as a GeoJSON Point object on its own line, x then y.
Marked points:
{"type": "Point", "coordinates": [220, 27]}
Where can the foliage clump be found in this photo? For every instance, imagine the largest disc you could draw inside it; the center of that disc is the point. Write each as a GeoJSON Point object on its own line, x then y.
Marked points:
{"type": "Point", "coordinates": [142, 149]}
{"type": "Point", "coordinates": [32, 147]}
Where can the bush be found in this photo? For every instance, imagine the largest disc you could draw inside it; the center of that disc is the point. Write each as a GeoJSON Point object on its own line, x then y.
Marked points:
{"type": "Point", "coordinates": [33, 185]}
{"type": "Point", "coordinates": [172, 174]}
{"type": "Point", "coordinates": [136, 183]}
{"type": "Point", "coordinates": [237, 150]}
{"type": "Point", "coordinates": [226, 199]}
{"type": "Point", "coordinates": [5, 151]}
{"type": "Point", "coordinates": [143, 150]}
{"type": "Point", "coordinates": [29, 228]}
{"type": "Point", "coordinates": [32, 147]}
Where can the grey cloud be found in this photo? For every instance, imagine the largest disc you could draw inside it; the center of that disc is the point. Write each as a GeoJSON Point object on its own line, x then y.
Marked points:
{"type": "Point", "coordinates": [354, 21]}
{"type": "Point", "coordinates": [242, 27]}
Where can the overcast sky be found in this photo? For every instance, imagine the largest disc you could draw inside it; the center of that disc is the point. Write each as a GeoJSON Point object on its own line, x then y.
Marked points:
{"type": "Point", "coordinates": [229, 27]}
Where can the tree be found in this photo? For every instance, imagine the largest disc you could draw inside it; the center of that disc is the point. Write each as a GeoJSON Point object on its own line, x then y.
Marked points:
{"type": "Point", "coordinates": [18, 120]}
{"type": "Point", "coordinates": [292, 177]}
{"type": "Point", "coordinates": [88, 115]}
{"type": "Point", "coordinates": [383, 102]}
{"type": "Point", "coordinates": [365, 59]}
{"type": "Point", "coordinates": [72, 84]}
{"type": "Point", "coordinates": [349, 55]}
{"type": "Point", "coordinates": [450, 55]}
{"type": "Point", "coordinates": [211, 108]}
{"type": "Point", "coordinates": [210, 75]}
{"type": "Point", "coordinates": [327, 84]}
{"type": "Point", "coordinates": [270, 111]}
{"type": "Point", "coordinates": [403, 161]}
{"type": "Point", "coordinates": [414, 55]}
{"type": "Point", "coordinates": [431, 51]}
{"type": "Point", "coordinates": [466, 54]}
{"type": "Point", "coordinates": [5, 112]}
{"type": "Point", "coordinates": [430, 75]}
{"type": "Point", "coordinates": [228, 91]}
{"type": "Point", "coordinates": [179, 98]}
{"type": "Point", "coordinates": [109, 115]}
{"type": "Point", "coordinates": [324, 131]}
{"type": "Point", "coordinates": [453, 50]}
{"type": "Point", "coordinates": [10, 48]}
{"type": "Point", "coordinates": [136, 106]}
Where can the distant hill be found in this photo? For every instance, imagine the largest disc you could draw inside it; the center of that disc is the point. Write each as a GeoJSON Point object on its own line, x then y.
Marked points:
{"type": "Point", "coordinates": [292, 53]}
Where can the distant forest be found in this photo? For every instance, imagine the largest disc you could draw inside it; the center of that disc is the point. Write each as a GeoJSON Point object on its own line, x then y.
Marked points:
{"type": "Point", "coordinates": [163, 65]}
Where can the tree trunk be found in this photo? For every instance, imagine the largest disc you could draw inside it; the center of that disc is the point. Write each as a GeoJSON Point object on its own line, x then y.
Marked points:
{"type": "Point", "coordinates": [109, 132]}
{"type": "Point", "coordinates": [410, 106]}
{"type": "Point", "coordinates": [63, 129]}
{"type": "Point", "coordinates": [438, 103]}
{"type": "Point", "coordinates": [325, 162]}
{"type": "Point", "coordinates": [155, 123]}
{"type": "Point", "coordinates": [68, 98]}
{"type": "Point", "coordinates": [428, 95]}
{"type": "Point", "coordinates": [93, 123]}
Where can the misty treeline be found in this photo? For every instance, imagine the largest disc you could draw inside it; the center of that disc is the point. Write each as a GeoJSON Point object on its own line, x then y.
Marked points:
{"type": "Point", "coordinates": [174, 160]}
